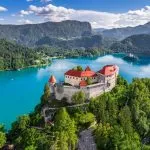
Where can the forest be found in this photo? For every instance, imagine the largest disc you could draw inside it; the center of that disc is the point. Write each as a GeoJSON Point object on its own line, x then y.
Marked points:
{"type": "Point", "coordinates": [120, 120]}
{"type": "Point", "coordinates": [14, 56]}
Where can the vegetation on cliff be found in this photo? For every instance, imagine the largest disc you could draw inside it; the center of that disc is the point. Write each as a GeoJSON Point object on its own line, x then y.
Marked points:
{"type": "Point", "coordinates": [121, 121]}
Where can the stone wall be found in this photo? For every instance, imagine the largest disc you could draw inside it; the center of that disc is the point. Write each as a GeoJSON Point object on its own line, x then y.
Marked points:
{"type": "Point", "coordinates": [90, 91]}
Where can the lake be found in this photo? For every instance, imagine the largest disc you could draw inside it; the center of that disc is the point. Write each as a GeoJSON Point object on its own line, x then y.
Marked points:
{"type": "Point", "coordinates": [20, 91]}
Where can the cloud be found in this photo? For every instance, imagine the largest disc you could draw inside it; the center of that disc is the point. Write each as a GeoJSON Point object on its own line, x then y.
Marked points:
{"type": "Point", "coordinates": [2, 9]}
{"type": "Point", "coordinates": [145, 71]}
{"type": "Point", "coordinates": [2, 19]}
{"type": "Point", "coordinates": [96, 18]}
{"type": "Point", "coordinates": [57, 67]}
{"type": "Point", "coordinates": [23, 13]}
{"type": "Point", "coordinates": [25, 21]}
{"type": "Point", "coordinates": [127, 70]}
{"type": "Point", "coordinates": [109, 59]}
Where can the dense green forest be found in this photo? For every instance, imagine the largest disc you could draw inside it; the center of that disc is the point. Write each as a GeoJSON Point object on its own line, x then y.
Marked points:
{"type": "Point", "coordinates": [120, 118]}
{"type": "Point", "coordinates": [61, 52]}
{"type": "Point", "coordinates": [13, 56]}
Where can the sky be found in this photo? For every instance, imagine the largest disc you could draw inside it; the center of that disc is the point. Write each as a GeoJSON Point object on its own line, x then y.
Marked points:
{"type": "Point", "coordinates": [100, 13]}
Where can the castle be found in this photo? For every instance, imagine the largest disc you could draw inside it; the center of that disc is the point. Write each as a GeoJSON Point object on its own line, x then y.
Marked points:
{"type": "Point", "coordinates": [91, 83]}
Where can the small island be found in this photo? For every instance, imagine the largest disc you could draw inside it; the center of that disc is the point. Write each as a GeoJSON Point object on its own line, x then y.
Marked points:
{"type": "Point", "coordinates": [130, 58]}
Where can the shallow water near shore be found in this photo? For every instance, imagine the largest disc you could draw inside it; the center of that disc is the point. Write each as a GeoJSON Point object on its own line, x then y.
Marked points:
{"type": "Point", "coordinates": [20, 91]}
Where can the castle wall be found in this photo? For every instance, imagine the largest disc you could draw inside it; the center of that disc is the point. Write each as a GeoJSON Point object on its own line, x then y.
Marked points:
{"type": "Point", "coordinates": [90, 91]}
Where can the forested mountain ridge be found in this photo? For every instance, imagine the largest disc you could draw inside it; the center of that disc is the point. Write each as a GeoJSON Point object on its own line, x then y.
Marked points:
{"type": "Point", "coordinates": [122, 33]}
{"type": "Point", "coordinates": [133, 44]}
{"type": "Point", "coordinates": [86, 42]}
{"type": "Point", "coordinates": [29, 34]}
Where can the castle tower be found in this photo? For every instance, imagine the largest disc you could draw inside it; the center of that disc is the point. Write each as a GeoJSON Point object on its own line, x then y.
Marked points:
{"type": "Point", "coordinates": [52, 82]}
{"type": "Point", "coordinates": [88, 68]}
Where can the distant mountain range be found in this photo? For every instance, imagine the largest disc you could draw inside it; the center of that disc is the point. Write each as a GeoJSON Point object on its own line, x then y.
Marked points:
{"type": "Point", "coordinates": [78, 35]}
{"type": "Point", "coordinates": [122, 33]}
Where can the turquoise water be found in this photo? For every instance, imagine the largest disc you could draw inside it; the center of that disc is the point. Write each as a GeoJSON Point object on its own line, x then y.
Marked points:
{"type": "Point", "coordinates": [20, 91]}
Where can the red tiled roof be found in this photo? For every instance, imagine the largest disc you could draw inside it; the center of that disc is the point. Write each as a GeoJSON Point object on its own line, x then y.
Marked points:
{"type": "Point", "coordinates": [88, 68]}
{"type": "Point", "coordinates": [83, 83]}
{"type": "Point", "coordinates": [77, 73]}
{"type": "Point", "coordinates": [52, 79]}
{"type": "Point", "coordinates": [108, 70]}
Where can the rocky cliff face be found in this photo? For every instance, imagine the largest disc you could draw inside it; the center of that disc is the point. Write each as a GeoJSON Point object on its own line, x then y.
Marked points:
{"type": "Point", "coordinates": [30, 34]}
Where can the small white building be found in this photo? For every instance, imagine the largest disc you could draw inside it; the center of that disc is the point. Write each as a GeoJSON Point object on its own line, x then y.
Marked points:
{"type": "Point", "coordinates": [101, 81]}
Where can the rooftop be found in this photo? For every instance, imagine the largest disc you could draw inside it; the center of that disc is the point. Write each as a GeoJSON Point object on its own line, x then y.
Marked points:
{"type": "Point", "coordinates": [52, 79]}
{"type": "Point", "coordinates": [77, 73]}
{"type": "Point", "coordinates": [108, 70]}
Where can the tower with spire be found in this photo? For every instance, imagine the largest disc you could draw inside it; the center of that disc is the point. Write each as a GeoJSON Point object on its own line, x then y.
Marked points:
{"type": "Point", "coordinates": [52, 82]}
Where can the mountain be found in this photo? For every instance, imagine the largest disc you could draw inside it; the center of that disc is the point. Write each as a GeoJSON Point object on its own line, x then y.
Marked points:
{"type": "Point", "coordinates": [133, 44]}
{"type": "Point", "coordinates": [83, 42]}
{"type": "Point", "coordinates": [122, 33]}
{"type": "Point", "coordinates": [29, 34]}
{"type": "Point", "coordinates": [98, 30]}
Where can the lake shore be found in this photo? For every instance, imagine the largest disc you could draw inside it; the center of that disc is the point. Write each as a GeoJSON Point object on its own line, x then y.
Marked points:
{"type": "Point", "coordinates": [32, 66]}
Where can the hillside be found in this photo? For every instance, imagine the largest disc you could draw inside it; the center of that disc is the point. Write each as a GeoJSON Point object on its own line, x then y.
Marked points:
{"type": "Point", "coordinates": [133, 44]}
{"type": "Point", "coordinates": [122, 33]}
{"type": "Point", "coordinates": [115, 120]}
{"type": "Point", "coordinates": [83, 42]}
{"type": "Point", "coordinates": [29, 34]}
{"type": "Point", "coordinates": [14, 56]}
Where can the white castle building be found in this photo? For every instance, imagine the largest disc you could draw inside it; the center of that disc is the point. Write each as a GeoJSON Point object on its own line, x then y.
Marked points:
{"type": "Point", "coordinates": [101, 81]}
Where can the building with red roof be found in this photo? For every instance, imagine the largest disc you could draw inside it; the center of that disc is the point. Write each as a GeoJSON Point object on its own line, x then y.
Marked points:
{"type": "Point", "coordinates": [108, 70]}
{"type": "Point", "coordinates": [74, 77]}
{"type": "Point", "coordinates": [90, 82]}
{"type": "Point", "coordinates": [52, 80]}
